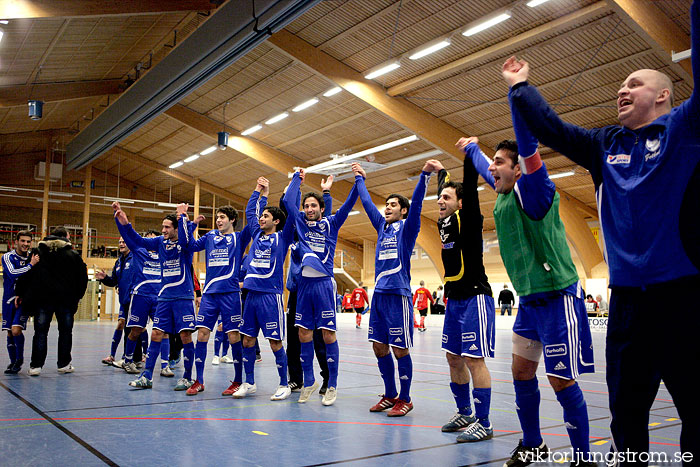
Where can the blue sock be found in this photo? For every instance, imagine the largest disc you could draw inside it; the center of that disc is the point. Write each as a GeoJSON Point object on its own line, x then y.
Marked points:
{"type": "Point", "coordinates": [19, 348]}
{"type": "Point", "coordinates": [462, 398]}
{"type": "Point", "coordinates": [576, 417]}
{"type": "Point", "coordinates": [386, 369]}
{"type": "Point", "coordinates": [129, 350]}
{"type": "Point", "coordinates": [333, 359]}
{"type": "Point", "coordinates": [281, 361]}
{"type": "Point", "coordinates": [224, 346]}
{"type": "Point", "coordinates": [237, 356]}
{"type": "Point", "coordinates": [307, 362]}
{"type": "Point", "coordinates": [218, 337]}
{"type": "Point", "coordinates": [188, 354]}
{"type": "Point", "coordinates": [11, 349]}
{"type": "Point", "coordinates": [249, 364]}
{"type": "Point", "coordinates": [405, 366]}
{"type": "Point", "coordinates": [164, 352]}
{"type": "Point", "coordinates": [144, 341]}
{"type": "Point", "coordinates": [482, 404]}
{"type": "Point", "coordinates": [151, 357]}
{"type": "Point", "coordinates": [116, 338]}
{"type": "Point", "coordinates": [200, 358]}
{"type": "Point", "coordinates": [527, 403]}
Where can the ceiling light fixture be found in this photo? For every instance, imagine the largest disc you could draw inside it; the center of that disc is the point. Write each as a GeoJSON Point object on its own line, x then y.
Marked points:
{"type": "Point", "coordinates": [486, 24]}
{"type": "Point", "coordinates": [208, 150]}
{"type": "Point", "coordinates": [305, 105]}
{"type": "Point", "coordinates": [251, 130]}
{"type": "Point", "coordinates": [430, 49]}
{"type": "Point", "coordinates": [176, 165]}
{"type": "Point", "coordinates": [353, 213]}
{"type": "Point", "coordinates": [193, 157]}
{"type": "Point", "coordinates": [562, 174]}
{"type": "Point", "coordinates": [277, 118]}
{"type": "Point", "coordinates": [534, 3]}
{"type": "Point", "coordinates": [366, 152]}
{"type": "Point", "coordinates": [383, 70]}
{"type": "Point", "coordinates": [429, 198]}
{"type": "Point", "coordinates": [332, 91]}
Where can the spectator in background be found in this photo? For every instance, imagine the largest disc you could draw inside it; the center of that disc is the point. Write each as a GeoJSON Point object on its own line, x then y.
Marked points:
{"type": "Point", "coordinates": [347, 301]}
{"type": "Point", "coordinates": [359, 300]}
{"type": "Point", "coordinates": [602, 305]}
{"type": "Point", "coordinates": [506, 300]}
{"type": "Point", "coordinates": [439, 296]}
{"type": "Point", "coordinates": [420, 301]}
{"type": "Point", "coordinates": [54, 286]}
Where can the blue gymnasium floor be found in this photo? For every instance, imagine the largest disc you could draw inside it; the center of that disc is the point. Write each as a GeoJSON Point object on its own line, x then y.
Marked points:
{"type": "Point", "coordinates": [91, 417]}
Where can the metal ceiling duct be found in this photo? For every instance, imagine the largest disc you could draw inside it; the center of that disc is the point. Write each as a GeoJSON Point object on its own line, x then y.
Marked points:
{"type": "Point", "coordinates": [230, 33]}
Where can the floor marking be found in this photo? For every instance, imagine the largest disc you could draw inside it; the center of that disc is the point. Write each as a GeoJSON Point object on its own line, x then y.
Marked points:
{"type": "Point", "coordinates": [262, 433]}
{"type": "Point", "coordinates": [672, 419]}
{"type": "Point", "coordinates": [601, 442]}
{"type": "Point", "coordinates": [654, 423]}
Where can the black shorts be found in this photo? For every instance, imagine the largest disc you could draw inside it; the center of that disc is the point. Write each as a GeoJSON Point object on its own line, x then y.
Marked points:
{"type": "Point", "coordinates": [359, 310]}
{"type": "Point", "coordinates": [423, 312]}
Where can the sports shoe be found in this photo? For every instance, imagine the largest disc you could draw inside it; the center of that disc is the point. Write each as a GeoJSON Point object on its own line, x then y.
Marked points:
{"type": "Point", "coordinates": [330, 396]}
{"type": "Point", "coordinates": [295, 387]}
{"type": "Point", "coordinates": [173, 363]}
{"type": "Point", "coordinates": [108, 361]}
{"type": "Point", "coordinates": [34, 371]}
{"type": "Point", "coordinates": [140, 365]}
{"type": "Point", "coordinates": [183, 384]}
{"type": "Point", "coordinates": [522, 455]}
{"type": "Point", "coordinates": [457, 422]}
{"type": "Point", "coordinates": [195, 389]}
{"type": "Point", "coordinates": [130, 367]}
{"type": "Point", "coordinates": [226, 359]}
{"type": "Point", "coordinates": [215, 360]}
{"type": "Point", "coordinates": [475, 432]}
{"type": "Point", "coordinates": [245, 389]}
{"type": "Point", "coordinates": [231, 389]}
{"type": "Point", "coordinates": [14, 368]}
{"type": "Point", "coordinates": [400, 409]}
{"type": "Point", "coordinates": [66, 369]}
{"type": "Point", "coordinates": [306, 392]}
{"type": "Point", "coordinates": [383, 404]}
{"type": "Point", "coordinates": [324, 388]}
{"type": "Point", "coordinates": [118, 363]}
{"type": "Point", "coordinates": [141, 383]}
{"type": "Point", "coordinates": [167, 372]}
{"type": "Point", "coordinates": [258, 357]}
{"type": "Point", "coordinates": [357, 326]}
{"type": "Point", "coordinates": [281, 394]}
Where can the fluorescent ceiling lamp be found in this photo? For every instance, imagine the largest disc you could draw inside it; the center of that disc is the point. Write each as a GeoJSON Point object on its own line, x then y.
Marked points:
{"type": "Point", "coordinates": [534, 3]}
{"type": "Point", "coordinates": [332, 91]}
{"type": "Point", "coordinates": [428, 50]}
{"type": "Point", "coordinates": [366, 152]}
{"type": "Point", "coordinates": [1, 34]}
{"type": "Point", "coordinates": [60, 193]}
{"type": "Point", "coordinates": [429, 198]}
{"type": "Point", "coordinates": [481, 188]}
{"type": "Point", "coordinates": [208, 150]}
{"type": "Point", "coordinates": [119, 200]}
{"type": "Point", "coordinates": [561, 174]}
{"type": "Point", "coordinates": [678, 56]}
{"type": "Point", "coordinates": [4, 21]}
{"type": "Point", "coordinates": [353, 213]}
{"type": "Point", "coordinates": [4, 188]}
{"type": "Point", "coordinates": [305, 105]}
{"type": "Point", "coordinates": [277, 118]}
{"type": "Point", "coordinates": [251, 130]}
{"type": "Point", "coordinates": [168, 205]}
{"type": "Point", "coordinates": [41, 200]}
{"type": "Point", "coordinates": [486, 24]}
{"type": "Point", "coordinates": [383, 70]}
{"type": "Point", "coordinates": [175, 165]}
{"type": "Point", "coordinates": [193, 157]}
{"type": "Point", "coordinates": [152, 210]}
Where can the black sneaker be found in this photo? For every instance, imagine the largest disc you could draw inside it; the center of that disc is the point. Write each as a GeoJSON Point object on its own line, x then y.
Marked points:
{"type": "Point", "coordinates": [14, 368]}
{"type": "Point", "coordinates": [324, 388]}
{"type": "Point", "coordinates": [523, 456]}
{"type": "Point", "coordinates": [294, 386]}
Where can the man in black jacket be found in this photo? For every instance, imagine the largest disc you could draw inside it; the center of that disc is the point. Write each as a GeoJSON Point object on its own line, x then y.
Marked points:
{"type": "Point", "coordinates": [506, 300]}
{"type": "Point", "coordinates": [54, 286]}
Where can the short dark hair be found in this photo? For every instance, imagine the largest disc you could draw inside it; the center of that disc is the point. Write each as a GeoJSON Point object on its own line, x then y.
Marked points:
{"type": "Point", "coordinates": [313, 194]}
{"type": "Point", "coordinates": [24, 233]}
{"type": "Point", "coordinates": [277, 215]}
{"type": "Point", "coordinates": [172, 218]}
{"type": "Point", "coordinates": [230, 212]}
{"type": "Point", "coordinates": [60, 232]}
{"type": "Point", "coordinates": [152, 232]}
{"type": "Point", "coordinates": [459, 189]}
{"type": "Point", "coordinates": [511, 148]}
{"type": "Point", "coordinates": [403, 202]}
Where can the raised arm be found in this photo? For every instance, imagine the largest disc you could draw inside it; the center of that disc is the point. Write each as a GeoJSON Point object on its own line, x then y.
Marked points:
{"type": "Point", "coordinates": [256, 205]}
{"type": "Point", "coordinates": [292, 197]}
{"type": "Point", "coordinates": [326, 184]}
{"type": "Point", "coordinates": [375, 217]}
{"type": "Point", "coordinates": [342, 213]}
{"type": "Point", "coordinates": [693, 104]}
{"type": "Point", "coordinates": [474, 160]}
{"type": "Point", "coordinates": [412, 224]}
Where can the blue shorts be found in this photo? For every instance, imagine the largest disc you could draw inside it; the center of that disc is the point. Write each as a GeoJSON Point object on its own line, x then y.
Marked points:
{"type": "Point", "coordinates": [559, 321]}
{"type": "Point", "coordinates": [316, 303]}
{"type": "Point", "coordinates": [227, 305]}
{"type": "Point", "coordinates": [469, 328]}
{"type": "Point", "coordinates": [123, 310]}
{"type": "Point", "coordinates": [263, 311]}
{"type": "Point", "coordinates": [141, 308]}
{"type": "Point", "coordinates": [12, 316]}
{"type": "Point", "coordinates": [174, 316]}
{"type": "Point", "coordinates": [391, 320]}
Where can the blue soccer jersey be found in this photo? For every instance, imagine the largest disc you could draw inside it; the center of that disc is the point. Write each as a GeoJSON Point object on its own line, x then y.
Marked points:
{"type": "Point", "coordinates": [121, 277]}
{"type": "Point", "coordinates": [146, 272]}
{"type": "Point", "coordinates": [13, 266]}
{"type": "Point", "coordinates": [395, 241]}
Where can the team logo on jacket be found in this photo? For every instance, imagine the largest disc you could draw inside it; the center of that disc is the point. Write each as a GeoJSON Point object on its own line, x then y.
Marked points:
{"type": "Point", "coordinates": [619, 159]}
{"type": "Point", "coordinates": [555, 350]}
{"type": "Point", "coordinates": [652, 146]}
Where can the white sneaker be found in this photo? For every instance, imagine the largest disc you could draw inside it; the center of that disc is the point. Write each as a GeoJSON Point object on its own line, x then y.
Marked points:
{"type": "Point", "coordinates": [118, 363]}
{"type": "Point", "coordinates": [330, 396]}
{"type": "Point", "coordinates": [167, 372]}
{"type": "Point", "coordinates": [244, 390]}
{"type": "Point", "coordinates": [306, 392]}
{"type": "Point", "coordinates": [215, 360]}
{"type": "Point", "coordinates": [282, 393]}
{"type": "Point", "coordinates": [226, 359]}
{"type": "Point", "coordinates": [67, 369]}
{"type": "Point", "coordinates": [34, 371]}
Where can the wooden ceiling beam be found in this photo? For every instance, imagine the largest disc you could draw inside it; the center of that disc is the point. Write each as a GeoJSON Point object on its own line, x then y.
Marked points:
{"type": "Point", "coordinates": [11, 96]}
{"type": "Point", "coordinates": [18, 9]}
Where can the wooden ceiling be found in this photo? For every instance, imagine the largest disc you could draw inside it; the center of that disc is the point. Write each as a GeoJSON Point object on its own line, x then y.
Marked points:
{"type": "Point", "coordinates": [579, 50]}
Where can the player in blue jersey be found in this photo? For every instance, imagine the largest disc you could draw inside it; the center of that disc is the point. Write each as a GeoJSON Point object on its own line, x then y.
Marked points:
{"type": "Point", "coordinates": [15, 263]}
{"type": "Point", "coordinates": [646, 172]}
{"type": "Point", "coordinates": [316, 287]}
{"type": "Point", "coordinates": [391, 320]}
{"type": "Point", "coordinates": [263, 308]}
{"type": "Point", "coordinates": [222, 294]}
{"type": "Point", "coordinates": [175, 308]}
